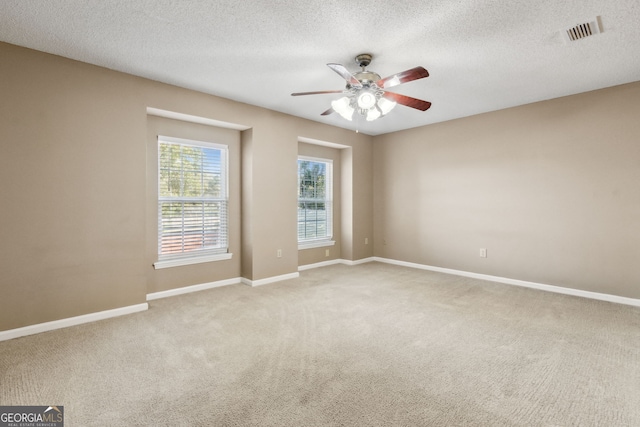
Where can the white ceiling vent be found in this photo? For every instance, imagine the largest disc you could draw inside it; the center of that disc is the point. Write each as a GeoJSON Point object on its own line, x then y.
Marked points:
{"type": "Point", "coordinates": [581, 31]}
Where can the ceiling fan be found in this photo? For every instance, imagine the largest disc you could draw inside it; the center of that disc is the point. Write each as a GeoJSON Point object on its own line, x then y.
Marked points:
{"type": "Point", "coordinates": [367, 94]}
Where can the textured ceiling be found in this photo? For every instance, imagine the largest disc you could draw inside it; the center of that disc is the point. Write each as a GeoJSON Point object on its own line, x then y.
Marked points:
{"type": "Point", "coordinates": [482, 55]}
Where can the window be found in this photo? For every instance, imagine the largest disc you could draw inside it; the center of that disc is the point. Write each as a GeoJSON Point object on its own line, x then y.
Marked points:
{"type": "Point", "coordinates": [192, 201]}
{"type": "Point", "coordinates": [315, 206]}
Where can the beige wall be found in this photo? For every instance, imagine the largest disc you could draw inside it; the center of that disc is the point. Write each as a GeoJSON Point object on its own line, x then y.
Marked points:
{"type": "Point", "coordinates": [77, 212]}
{"type": "Point", "coordinates": [549, 189]}
{"type": "Point", "coordinates": [72, 175]}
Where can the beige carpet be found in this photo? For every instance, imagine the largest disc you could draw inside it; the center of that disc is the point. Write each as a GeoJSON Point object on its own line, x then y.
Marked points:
{"type": "Point", "coordinates": [371, 345]}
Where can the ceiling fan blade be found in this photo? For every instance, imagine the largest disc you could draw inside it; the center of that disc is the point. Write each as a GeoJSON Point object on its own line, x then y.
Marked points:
{"type": "Point", "coordinates": [329, 111]}
{"type": "Point", "coordinates": [403, 77]}
{"type": "Point", "coordinates": [320, 92]}
{"type": "Point", "coordinates": [408, 101]}
{"type": "Point", "coordinates": [340, 69]}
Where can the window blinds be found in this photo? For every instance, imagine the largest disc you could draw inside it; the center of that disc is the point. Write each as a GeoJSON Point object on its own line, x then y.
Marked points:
{"type": "Point", "coordinates": [192, 197]}
{"type": "Point", "coordinates": [315, 199]}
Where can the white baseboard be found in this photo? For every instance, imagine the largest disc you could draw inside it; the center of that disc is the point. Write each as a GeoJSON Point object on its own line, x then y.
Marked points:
{"type": "Point", "coordinates": [92, 317]}
{"type": "Point", "coordinates": [193, 288]}
{"type": "Point", "coordinates": [549, 288]}
{"type": "Point", "coordinates": [334, 262]}
{"type": "Point", "coordinates": [268, 280]}
{"type": "Point", "coordinates": [358, 261]}
{"type": "Point", "coordinates": [71, 321]}
{"type": "Point", "coordinates": [320, 264]}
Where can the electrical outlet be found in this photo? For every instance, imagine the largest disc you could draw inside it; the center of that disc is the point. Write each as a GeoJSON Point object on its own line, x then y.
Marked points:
{"type": "Point", "coordinates": [366, 240]}
{"type": "Point", "coordinates": [483, 252]}
{"type": "Point", "coordinates": [279, 253]}
{"type": "Point", "coordinates": [326, 252]}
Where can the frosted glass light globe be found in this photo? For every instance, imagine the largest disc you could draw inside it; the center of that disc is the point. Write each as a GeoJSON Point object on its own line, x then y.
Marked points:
{"type": "Point", "coordinates": [366, 100]}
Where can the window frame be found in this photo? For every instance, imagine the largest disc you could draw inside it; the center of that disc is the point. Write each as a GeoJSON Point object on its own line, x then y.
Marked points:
{"type": "Point", "coordinates": [197, 256]}
{"type": "Point", "coordinates": [327, 200]}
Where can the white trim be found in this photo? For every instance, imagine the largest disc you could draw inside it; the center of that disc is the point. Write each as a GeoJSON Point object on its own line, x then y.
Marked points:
{"type": "Point", "coordinates": [323, 143]}
{"type": "Point", "coordinates": [71, 321]}
{"type": "Point", "coordinates": [325, 240]}
{"type": "Point", "coordinates": [107, 314]}
{"type": "Point", "coordinates": [540, 286]}
{"type": "Point", "coordinates": [194, 119]}
{"type": "Point", "coordinates": [315, 159]}
{"type": "Point", "coordinates": [177, 262]}
{"type": "Point", "coordinates": [358, 261]}
{"type": "Point", "coordinates": [193, 143]}
{"type": "Point", "coordinates": [320, 264]}
{"type": "Point", "coordinates": [268, 280]}
{"type": "Point", "coordinates": [310, 244]}
{"type": "Point", "coordinates": [333, 262]}
{"type": "Point", "coordinates": [194, 288]}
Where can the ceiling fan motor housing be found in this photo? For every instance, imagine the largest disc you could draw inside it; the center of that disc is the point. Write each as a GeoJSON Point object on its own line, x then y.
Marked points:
{"type": "Point", "coordinates": [367, 78]}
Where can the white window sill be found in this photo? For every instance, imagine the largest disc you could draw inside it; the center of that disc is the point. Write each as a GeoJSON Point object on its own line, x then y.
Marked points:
{"type": "Point", "coordinates": [177, 262]}
{"type": "Point", "coordinates": [315, 244]}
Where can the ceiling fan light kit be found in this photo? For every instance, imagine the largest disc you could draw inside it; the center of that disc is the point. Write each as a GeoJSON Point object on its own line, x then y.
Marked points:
{"type": "Point", "coordinates": [366, 93]}
{"type": "Point", "coordinates": [343, 107]}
